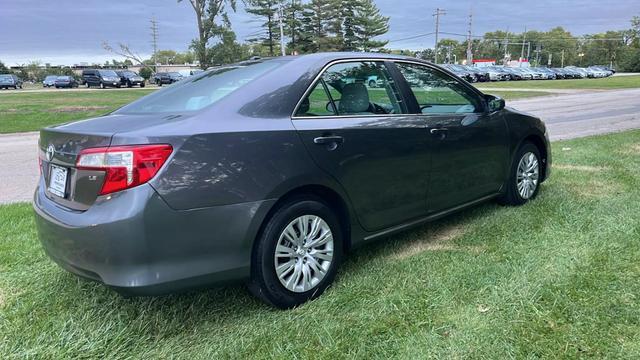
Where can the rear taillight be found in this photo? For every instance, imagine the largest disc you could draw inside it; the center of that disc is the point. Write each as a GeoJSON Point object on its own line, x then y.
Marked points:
{"type": "Point", "coordinates": [124, 166]}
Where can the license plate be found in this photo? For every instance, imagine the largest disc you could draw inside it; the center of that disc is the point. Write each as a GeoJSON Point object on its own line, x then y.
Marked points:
{"type": "Point", "coordinates": [58, 180]}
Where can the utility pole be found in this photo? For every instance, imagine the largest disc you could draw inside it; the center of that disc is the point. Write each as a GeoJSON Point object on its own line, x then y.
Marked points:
{"type": "Point", "coordinates": [524, 38]}
{"type": "Point", "coordinates": [469, 44]}
{"type": "Point", "coordinates": [280, 21]}
{"type": "Point", "coordinates": [437, 16]}
{"type": "Point", "coordinates": [506, 47]}
{"type": "Point", "coordinates": [562, 58]}
{"type": "Point", "coordinates": [154, 36]}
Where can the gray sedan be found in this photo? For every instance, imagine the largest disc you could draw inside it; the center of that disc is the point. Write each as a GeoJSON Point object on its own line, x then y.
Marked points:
{"type": "Point", "coordinates": [270, 171]}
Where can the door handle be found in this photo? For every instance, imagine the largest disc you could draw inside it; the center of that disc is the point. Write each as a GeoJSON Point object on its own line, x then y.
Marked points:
{"type": "Point", "coordinates": [322, 140]}
{"type": "Point", "coordinates": [437, 131]}
{"type": "Point", "coordinates": [441, 133]}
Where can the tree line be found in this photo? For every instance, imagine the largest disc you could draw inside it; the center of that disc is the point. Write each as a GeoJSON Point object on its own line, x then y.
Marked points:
{"type": "Point", "coordinates": [556, 47]}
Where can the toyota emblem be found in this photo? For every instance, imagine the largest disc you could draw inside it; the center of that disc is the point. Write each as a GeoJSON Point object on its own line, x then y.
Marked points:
{"type": "Point", "coordinates": [51, 150]}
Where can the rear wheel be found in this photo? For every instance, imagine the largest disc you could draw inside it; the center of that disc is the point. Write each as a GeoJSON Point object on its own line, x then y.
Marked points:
{"type": "Point", "coordinates": [141, 84]}
{"type": "Point", "coordinates": [524, 180]}
{"type": "Point", "coordinates": [102, 85]}
{"type": "Point", "coordinates": [129, 84]}
{"type": "Point", "coordinates": [297, 254]}
{"type": "Point", "coordinates": [372, 83]}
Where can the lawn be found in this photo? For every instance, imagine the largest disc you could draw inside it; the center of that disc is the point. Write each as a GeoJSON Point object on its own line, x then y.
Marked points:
{"type": "Point", "coordinates": [558, 277]}
{"type": "Point", "coordinates": [614, 82]}
{"type": "Point", "coordinates": [31, 111]}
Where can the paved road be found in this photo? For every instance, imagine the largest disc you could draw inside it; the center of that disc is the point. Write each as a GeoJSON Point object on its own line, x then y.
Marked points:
{"type": "Point", "coordinates": [567, 116]}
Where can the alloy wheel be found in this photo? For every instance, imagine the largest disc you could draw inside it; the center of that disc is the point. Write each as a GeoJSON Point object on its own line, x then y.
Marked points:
{"type": "Point", "coordinates": [304, 253]}
{"type": "Point", "coordinates": [528, 174]}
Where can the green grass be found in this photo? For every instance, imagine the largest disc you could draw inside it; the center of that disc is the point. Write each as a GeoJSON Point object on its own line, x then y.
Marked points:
{"type": "Point", "coordinates": [614, 82]}
{"type": "Point", "coordinates": [557, 278]}
{"type": "Point", "coordinates": [32, 111]}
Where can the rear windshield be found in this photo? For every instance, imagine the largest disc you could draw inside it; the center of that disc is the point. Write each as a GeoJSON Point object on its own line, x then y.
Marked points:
{"type": "Point", "coordinates": [199, 91]}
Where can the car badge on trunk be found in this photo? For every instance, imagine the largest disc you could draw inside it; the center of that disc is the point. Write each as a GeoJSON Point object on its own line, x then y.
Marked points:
{"type": "Point", "coordinates": [51, 150]}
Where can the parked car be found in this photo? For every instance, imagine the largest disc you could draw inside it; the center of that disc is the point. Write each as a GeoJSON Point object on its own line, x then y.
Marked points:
{"type": "Point", "coordinates": [271, 171]}
{"type": "Point", "coordinates": [66, 82]}
{"type": "Point", "coordinates": [101, 78]}
{"type": "Point", "coordinates": [130, 78]}
{"type": "Point", "coordinates": [480, 75]}
{"type": "Point", "coordinates": [461, 72]}
{"type": "Point", "coordinates": [579, 72]}
{"type": "Point", "coordinates": [166, 78]}
{"type": "Point", "coordinates": [497, 74]}
{"type": "Point", "coordinates": [514, 73]}
{"type": "Point", "coordinates": [549, 74]}
{"type": "Point", "coordinates": [10, 81]}
{"type": "Point", "coordinates": [49, 81]}
{"type": "Point", "coordinates": [560, 73]}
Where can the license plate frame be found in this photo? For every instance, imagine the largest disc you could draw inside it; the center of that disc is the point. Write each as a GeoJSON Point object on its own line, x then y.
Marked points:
{"type": "Point", "coordinates": [58, 177]}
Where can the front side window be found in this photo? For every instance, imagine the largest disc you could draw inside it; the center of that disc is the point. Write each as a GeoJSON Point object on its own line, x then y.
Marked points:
{"type": "Point", "coordinates": [353, 88]}
{"type": "Point", "coordinates": [438, 93]}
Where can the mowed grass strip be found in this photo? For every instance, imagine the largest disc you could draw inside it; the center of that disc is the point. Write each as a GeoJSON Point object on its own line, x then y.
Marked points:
{"type": "Point", "coordinates": [27, 111]}
{"type": "Point", "coordinates": [610, 83]}
{"type": "Point", "coordinates": [555, 278]}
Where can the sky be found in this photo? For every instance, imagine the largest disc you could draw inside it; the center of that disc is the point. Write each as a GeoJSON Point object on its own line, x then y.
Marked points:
{"type": "Point", "coordinates": [66, 32]}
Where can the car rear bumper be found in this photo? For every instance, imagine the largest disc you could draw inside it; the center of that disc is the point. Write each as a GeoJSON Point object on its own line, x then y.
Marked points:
{"type": "Point", "coordinates": [133, 242]}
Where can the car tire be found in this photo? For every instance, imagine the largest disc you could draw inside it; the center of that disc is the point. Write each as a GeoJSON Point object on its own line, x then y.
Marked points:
{"type": "Point", "coordinates": [160, 84]}
{"type": "Point", "coordinates": [300, 264]}
{"type": "Point", "coordinates": [102, 85]}
{"type": "Point", "coordinates": [129, 84]}
{"type": "Point", "coordinates": [372, 84]}
{"type": "Point", "coordinates": [142, 85]}
{"type": "Point", "coordinates": [88, 85]}
{"type": "Point", "coordinates": [523, 183]}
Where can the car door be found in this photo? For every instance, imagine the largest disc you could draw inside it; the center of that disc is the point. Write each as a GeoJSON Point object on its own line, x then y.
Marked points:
{"type": "Point", "coordinates": [469, 145]}
{"type": "Point", "coordinates": [360, 132]}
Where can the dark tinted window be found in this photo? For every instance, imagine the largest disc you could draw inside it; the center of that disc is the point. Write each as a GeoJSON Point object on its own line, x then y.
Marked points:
{"type": "Point", "coordinates": [108, 73]}
{"type": "Point", "coordinates": [199, 91]}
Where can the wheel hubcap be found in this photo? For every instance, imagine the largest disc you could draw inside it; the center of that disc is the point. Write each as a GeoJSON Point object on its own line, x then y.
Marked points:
{"type": "Point", "coordinates": [528, 174]}
{"type": "Point", "coordinates": [304, 253]}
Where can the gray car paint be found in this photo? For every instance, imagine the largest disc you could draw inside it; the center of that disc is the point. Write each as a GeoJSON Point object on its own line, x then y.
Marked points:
{"type": "Point", "coordinates": [196, 221]}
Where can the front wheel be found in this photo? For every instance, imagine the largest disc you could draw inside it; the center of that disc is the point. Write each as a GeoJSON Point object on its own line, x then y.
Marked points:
{"type": "Point", "coordinates": [297, 254]}
{"type": "Point", "coordinates": [102, 85]}
{"type": "Point", "coordinates": [142, 85]}
{"type": "Point", "coordinates": [524, 180]}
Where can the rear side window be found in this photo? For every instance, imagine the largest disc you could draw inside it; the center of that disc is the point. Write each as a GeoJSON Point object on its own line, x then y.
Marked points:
{"type": "Point", "coordinates": [351, 89]}
{"type": "Point", "coordinates": [437, 92]}
{"type": "Point", "coordinates": [199, 91]}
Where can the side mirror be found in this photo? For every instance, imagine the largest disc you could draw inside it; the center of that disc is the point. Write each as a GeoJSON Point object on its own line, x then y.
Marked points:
{"type": "Point", "coordinates": [494, 103]}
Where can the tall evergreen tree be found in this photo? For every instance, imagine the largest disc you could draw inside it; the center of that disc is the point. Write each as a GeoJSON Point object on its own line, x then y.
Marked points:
{"type": "Point", "coordinates": [349, 9]}
{"type": "Point", "coordinates": [315, 18]}
{"type": "Point", "coordinates": [293, 24]}
{"type": "Point", "coordinates": [369, 24]}
{"type": "Point", "coordinates": [266, 9]}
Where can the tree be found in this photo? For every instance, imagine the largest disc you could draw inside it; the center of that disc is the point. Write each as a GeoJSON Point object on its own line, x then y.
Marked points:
{"type": "Point", "coordinates": [268, 10]}
{"type": "Point", "coordinates": [228, 50]}
{"type": "Point", "coordinates": [3, 68]}
{"type": "Point", "coordinates": [315, 18]}
{"type": "Point", "coordinates": [125, 51]}
{"type": "Point", "coordinates": [146, 73]}
{"type": "Point", "coordinates": [293, 25]}
{"type": "Point", "coordinates": [207, 14]}
{"type": "Point", "coordinates": [349, 9]}
{"type": "Point", "coordinates": [370, 24]}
